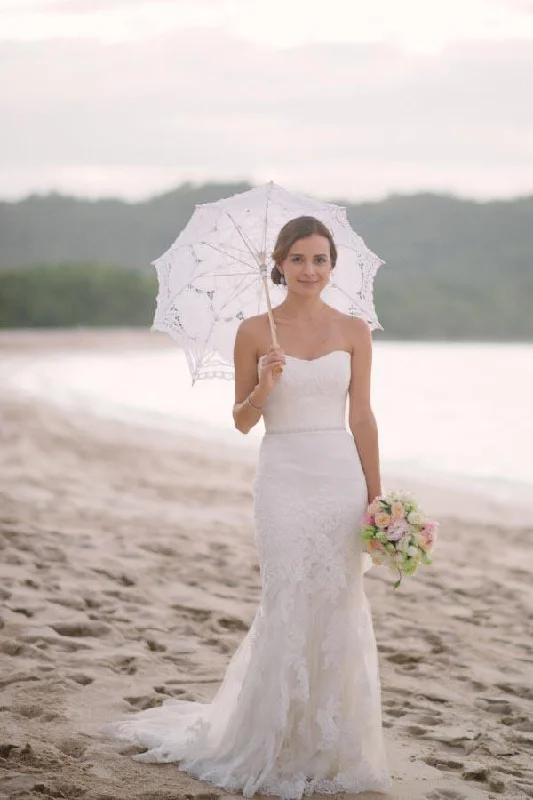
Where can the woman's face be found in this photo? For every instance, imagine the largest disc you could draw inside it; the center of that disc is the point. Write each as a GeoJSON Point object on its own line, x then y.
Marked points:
{"type": "Point", "coordinates": [308, 265]}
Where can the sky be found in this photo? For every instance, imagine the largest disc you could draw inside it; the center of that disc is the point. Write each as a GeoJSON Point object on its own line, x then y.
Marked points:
{"type": "Point", "coordinates": [341, 99]}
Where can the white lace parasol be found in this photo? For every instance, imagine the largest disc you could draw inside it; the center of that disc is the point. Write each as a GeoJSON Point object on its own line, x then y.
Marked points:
{"type": "Point", "coordinates": [216, 273]}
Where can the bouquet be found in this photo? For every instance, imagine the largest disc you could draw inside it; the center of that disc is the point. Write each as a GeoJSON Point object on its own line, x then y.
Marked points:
{"type": "Point", "coordinates": [396, 533]}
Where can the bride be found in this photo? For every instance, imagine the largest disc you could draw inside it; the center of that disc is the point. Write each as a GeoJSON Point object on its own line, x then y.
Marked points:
{"type": "Point", "coordinates": [299, 709]}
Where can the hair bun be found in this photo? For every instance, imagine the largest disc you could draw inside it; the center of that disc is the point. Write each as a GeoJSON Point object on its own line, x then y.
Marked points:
{"type": "Point", "coordinates": [276, 276]}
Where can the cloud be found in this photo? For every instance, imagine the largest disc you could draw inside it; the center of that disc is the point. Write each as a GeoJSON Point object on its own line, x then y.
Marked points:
{"type": "Point", "coordinates": [352, 120]}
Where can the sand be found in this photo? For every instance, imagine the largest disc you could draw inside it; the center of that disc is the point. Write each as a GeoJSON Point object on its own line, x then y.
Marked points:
{"type": "Point", "coordinates": [128, 574]}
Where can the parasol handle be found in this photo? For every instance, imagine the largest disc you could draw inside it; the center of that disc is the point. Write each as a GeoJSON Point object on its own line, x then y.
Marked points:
{"type": "Point", "coordinates": [270, 314]}
{"type": "Point", "coordinates": [275, 342]}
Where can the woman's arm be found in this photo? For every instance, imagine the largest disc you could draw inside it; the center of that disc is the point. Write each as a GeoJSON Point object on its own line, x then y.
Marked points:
{"type": "Point", "coordinates": [361, 417]}
{"type": "Point", "coordinates": [252, 385]}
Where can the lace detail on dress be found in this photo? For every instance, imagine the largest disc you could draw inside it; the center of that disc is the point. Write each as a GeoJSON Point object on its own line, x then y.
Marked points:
{"type": "Point", "coordinates": [299, 710]}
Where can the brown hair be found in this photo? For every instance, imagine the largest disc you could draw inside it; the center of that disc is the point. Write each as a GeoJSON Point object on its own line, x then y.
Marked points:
{"type": "Point", "coordinates": [294, 229]}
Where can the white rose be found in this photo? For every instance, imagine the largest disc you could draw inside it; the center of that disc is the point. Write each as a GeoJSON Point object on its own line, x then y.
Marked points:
{"type": "Point", "coordinates": [404, 495]}
{"type": "Point", "coordinates": [414, 518]}
{"type": "Point", "coordinates": [413, 551]}
{"type": "Point", "coordinates": [403, 544]}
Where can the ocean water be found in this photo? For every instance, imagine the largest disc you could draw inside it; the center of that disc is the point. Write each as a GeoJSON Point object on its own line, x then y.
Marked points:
{"type": "Point", "coordinates": [453, 413]}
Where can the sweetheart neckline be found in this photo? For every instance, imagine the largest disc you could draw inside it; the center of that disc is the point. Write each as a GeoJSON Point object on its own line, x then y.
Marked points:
{"type": "Point", "coordinates": [318, 358]}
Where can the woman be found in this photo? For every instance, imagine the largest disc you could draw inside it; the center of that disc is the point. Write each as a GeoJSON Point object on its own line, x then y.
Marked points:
{"type": "Point", "coordinates": [299, 709]}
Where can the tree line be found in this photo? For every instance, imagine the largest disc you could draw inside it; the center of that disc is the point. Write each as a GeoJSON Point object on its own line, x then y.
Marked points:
{"type": "Point", "coordinates": [455, 269]}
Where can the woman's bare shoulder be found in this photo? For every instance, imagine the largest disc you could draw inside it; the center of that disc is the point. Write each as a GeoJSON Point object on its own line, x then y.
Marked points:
{"type": "Point", "coordinates": [252, 330]}
{"type": "Point", "coordinates": [356, 329]}
{"type": "Point", "coordinates": [253, 324]}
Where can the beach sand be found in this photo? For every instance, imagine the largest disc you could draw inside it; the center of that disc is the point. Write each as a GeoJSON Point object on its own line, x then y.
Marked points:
{"type": "Point", "coordinates": [129, 574]}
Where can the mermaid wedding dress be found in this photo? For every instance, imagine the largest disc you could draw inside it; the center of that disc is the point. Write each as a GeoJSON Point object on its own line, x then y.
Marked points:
{"type": "Point", "coordinates": [299, 709]}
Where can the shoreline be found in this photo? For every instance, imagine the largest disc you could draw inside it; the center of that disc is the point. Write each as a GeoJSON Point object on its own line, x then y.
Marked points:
{"type": "Point", "coordinates": [128, 574]}
{"type": "Point", "coordinates": [441, 494]}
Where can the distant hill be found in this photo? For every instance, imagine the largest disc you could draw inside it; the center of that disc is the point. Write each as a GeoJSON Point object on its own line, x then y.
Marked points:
{"type": "Point", "coordinates": [456, 269]}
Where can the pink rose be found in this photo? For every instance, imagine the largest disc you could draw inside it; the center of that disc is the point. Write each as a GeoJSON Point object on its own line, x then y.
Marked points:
{"type": "Point", "coordinates": [397, 510]}
{"type": "Point", "coordinates": [368, 519]}
{"type": "Point", "coordinates": [382, 519]}
{"type": "Point", "coordinates": [428, 534]}
{"type": "Point", "coordinates": [430, 527]}
{"type": "Point", "coordinates": [429, 531]}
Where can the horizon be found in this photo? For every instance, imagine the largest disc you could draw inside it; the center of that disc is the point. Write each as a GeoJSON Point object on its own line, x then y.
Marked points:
{"type": "Point", "coordinates": [199, 185]}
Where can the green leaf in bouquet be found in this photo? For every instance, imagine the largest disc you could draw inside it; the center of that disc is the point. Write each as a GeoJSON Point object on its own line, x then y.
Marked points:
{"type": "Point", "coordinates": [410, 566]}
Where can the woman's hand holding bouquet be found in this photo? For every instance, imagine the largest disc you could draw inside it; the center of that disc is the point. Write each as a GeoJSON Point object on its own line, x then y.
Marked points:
{"type": "Point", "coordinates": [396, 533]}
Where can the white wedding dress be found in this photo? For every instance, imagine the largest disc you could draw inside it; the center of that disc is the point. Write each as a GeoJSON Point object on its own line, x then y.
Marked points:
{"type": "Point", "coordinates": [299, 709]}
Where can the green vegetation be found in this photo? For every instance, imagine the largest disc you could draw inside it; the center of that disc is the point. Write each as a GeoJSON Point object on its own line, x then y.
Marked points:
{"type": "Point", "coordinates": [65, 295]}
{"type": "Point", "coordinates": [456, 269]}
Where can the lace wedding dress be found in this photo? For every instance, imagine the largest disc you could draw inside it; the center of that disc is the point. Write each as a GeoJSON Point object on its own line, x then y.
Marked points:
{"type": "Point", "coordinates": [299, 709]}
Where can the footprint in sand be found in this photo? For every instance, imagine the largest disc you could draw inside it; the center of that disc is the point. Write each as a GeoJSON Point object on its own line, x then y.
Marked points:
{"type": "Point", "coordinates": [221, 645]}
{"type": "Point", "coordinates": [433, 697]}
{"type": "Point", "coordinates": [159, 549]}
{"type": "Point", "coordinates": [68, 602]}
{"type": "Point", "coordinates": [190, 613]}
{"type": "Point", "coordinates": [44, 642]}
{"type": "Point", "coordinates": [88, 628]}
{"type": "Point", "coordinates": [22, 610]}
{"type": "Point", "coordinates": [427, 719]}
{"type": "Point", "coordinates": [232, 624]}
{"type": "Point", "coordinates": [519, 690]}
{"type": "Point", "coordinates": [92, 602]}
{"type": "Point", "coordinates": [75, 748]}
{"type": "Point", "coordinates": [416, 730]}
{"type": "Point", "coordinates": [514, 720]}
{"type": "Point", "coordinates": [31, 584]}
{"type": "Point", "coordinates": [404, 658]}
{"type": "Point", "coordinates": [396, 712]}
{"type": "Point", "coordinates": [173, 691]}
{"type": "Point", "coordinates": [526, 725]}
{"type": "Point", "coordinates": [36, 712]}
{"type": "Point", "coordinates": [142, 702]}
{"type": "Point", "coordinates": [53, 554]}
{"type": "Point", "coordinates": [476, 685]}
{"type": "Point", "coordinates": [82, 680]}
{"type": "Point", "coordinates": [132, 750]}
{"type": "Point", "coordinates": [526, 788]}
{"type": "Point", "coordinates": [125, 665]}
{"type": "Point", "coordinates": [15, 559]}
{"type": "Point", "coordinates": [120, 578]}
{"type": "Point", "coordinates": [446, 764]}
{"type": "Point", "coordinates": [155, 647]}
